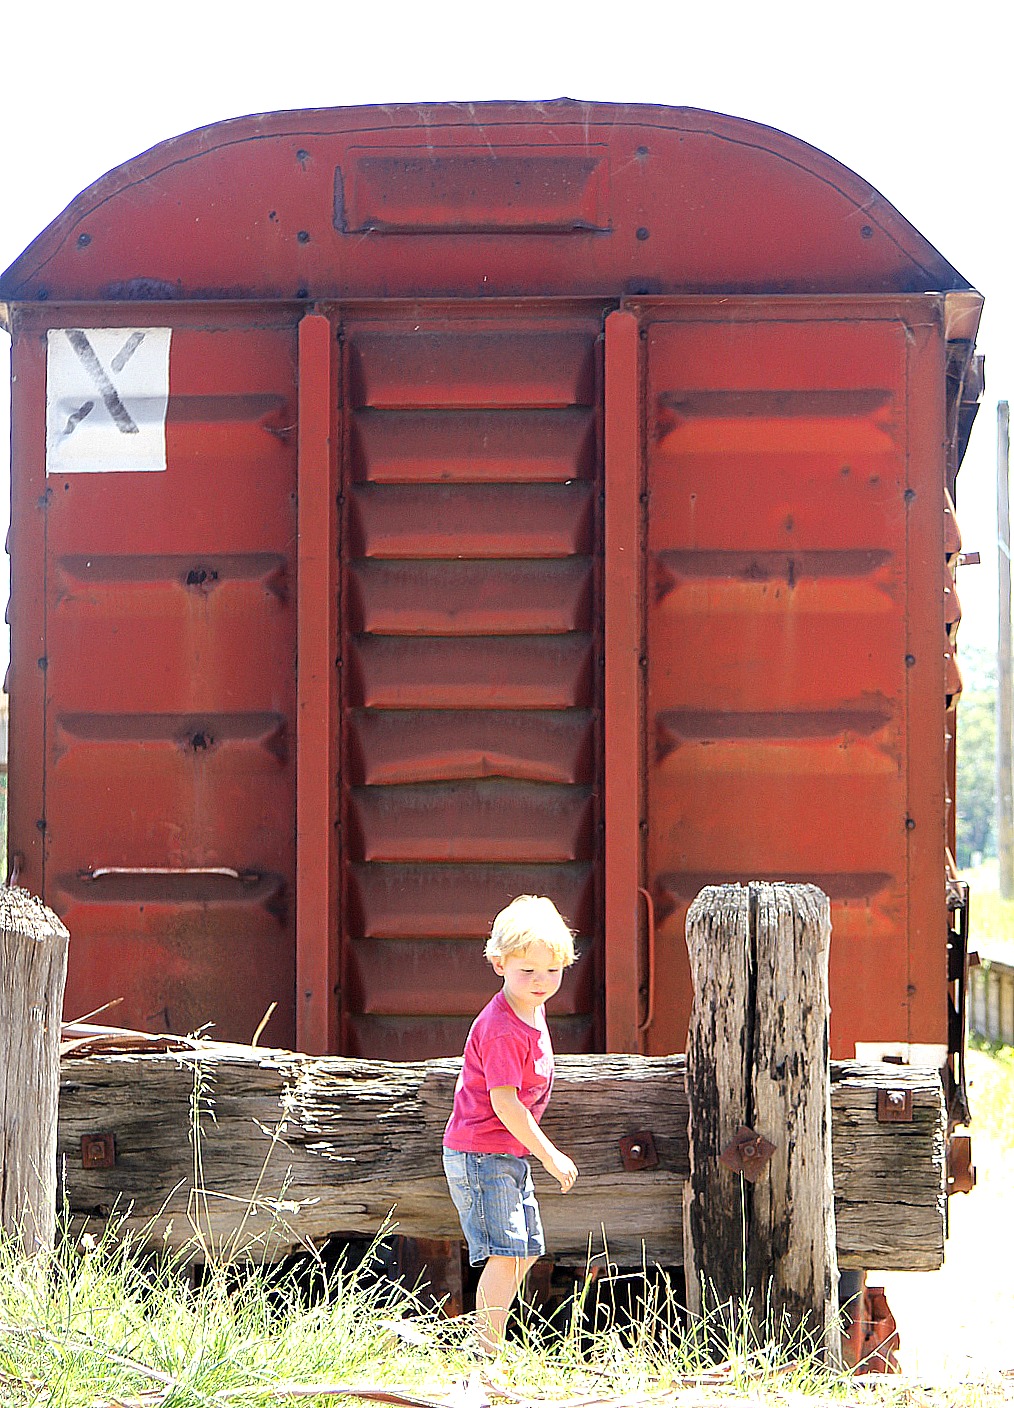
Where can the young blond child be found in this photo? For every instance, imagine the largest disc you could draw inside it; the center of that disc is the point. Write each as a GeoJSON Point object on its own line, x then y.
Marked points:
{"type": "Point", "coordinates": [504, 1087]}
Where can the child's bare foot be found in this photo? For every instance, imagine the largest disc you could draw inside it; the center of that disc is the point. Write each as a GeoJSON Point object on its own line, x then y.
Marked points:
{"type": "Point", "coordinates": [483, 1347]}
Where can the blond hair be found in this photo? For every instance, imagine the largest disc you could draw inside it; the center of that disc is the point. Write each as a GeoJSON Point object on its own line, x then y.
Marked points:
{"type": "Point", "coordinates": [530, 919]}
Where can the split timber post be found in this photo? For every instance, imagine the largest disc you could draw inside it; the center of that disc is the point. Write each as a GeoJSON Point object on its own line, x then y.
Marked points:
{"type": "Point", "coordinates": [761, 1232]}
{"type": "Point", "coordinates": [33, 971]}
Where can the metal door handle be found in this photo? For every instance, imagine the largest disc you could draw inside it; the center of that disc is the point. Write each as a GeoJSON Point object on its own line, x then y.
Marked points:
{"type": "Point", "coordinates": [226, 871]}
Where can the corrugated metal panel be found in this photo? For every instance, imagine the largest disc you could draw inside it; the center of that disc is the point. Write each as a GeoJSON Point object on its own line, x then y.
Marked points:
{"type": "Point", "coordinates": [471, 639]}
{"type": "Point", "coordinates": [781, 592]}
{"type": "Point", "coordinates": [169, 708]}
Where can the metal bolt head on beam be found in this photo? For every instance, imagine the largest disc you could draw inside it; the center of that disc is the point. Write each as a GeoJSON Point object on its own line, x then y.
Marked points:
{"type": "Point", "coordinates": [638, 1151]}
{"type": "Point", "coordinates": [894, 1107]}
{"type": "Point", "coordinates": [748, 1153]}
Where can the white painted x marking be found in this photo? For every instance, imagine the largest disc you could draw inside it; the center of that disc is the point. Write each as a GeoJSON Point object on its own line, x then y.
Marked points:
{"type": "Point", "coordinates": [88, 357]}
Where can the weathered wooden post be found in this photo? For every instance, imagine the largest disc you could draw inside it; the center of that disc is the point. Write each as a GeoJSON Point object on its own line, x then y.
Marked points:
{"type": "Point", "coordinates": [33, 970]}
{"type": "Point", "coordinates": [759, 1202]}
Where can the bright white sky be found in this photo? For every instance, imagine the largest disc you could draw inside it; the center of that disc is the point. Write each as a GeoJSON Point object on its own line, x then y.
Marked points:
{"type": "Point", "coordinates": [899, 90]}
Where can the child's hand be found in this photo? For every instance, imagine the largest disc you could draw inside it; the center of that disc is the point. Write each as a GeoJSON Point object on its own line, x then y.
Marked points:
{"type": "Point", "coordinates": [564, 1170]}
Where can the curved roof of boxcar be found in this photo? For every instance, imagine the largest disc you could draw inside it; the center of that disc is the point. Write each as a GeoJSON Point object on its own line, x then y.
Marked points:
{"type": "Point", "coordinates": [561, 198]}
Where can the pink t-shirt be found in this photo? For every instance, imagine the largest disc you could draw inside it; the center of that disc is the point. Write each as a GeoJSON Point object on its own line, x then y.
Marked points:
{"type": "Point", "coordinates": [501, 1050]}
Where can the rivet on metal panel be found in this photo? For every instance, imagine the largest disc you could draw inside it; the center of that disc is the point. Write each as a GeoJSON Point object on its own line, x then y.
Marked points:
{"type": "Point", "coordinates": [867, 232]}
{"type": "Point", "coordinates": [894, 1107]}
{"type": "Point", "coordinates": [909, 495]}
{"type": "Point", "coordinates": [638, 1151]}
{"type": "Point", "coordinates": [909, 660]}
{"type": "Point", "coordinates": [98, 1150]}
{"type": "Point", "coordinates": [303, 236]}
{"type": "Point", "coordinates": [748, 1153]}
{"type": "Point", "coordinates": [199, 576]}
{"type": "Point", "coordinates": [642, 232]}
{"type": "Point", "coordinates": [642, 152]}
{"type": "Point", "coordinates": [83, 240]}
{"type": "Point", "coordinates": [910, 823]}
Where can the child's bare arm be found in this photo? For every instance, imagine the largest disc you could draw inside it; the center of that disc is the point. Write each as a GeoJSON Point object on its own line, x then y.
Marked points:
{"type": "Point", "coordinates": [512, 1114]}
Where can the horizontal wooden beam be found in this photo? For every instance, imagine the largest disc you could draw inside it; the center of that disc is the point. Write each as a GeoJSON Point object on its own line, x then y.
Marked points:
{"type": "Point", "coordinates": [295, 1148]}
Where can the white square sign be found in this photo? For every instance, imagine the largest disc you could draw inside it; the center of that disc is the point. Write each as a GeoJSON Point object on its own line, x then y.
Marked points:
{"type": "Point", "coordinates": [107, 391]}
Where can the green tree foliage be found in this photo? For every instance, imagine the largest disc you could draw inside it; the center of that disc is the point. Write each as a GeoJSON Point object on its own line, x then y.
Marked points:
{"type": "Point", "coordinates": [976, 775]}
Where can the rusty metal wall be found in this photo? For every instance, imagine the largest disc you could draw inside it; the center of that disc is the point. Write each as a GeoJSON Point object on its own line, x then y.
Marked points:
{"type": "Point", "coordinates": [471, 642]}
{"type": "Point", "coordinates": [164, 832]}
{"type": "Point", "coordinates": [795, 641]}
{"type": "Point", "coordinates": [479, 567]}
{"type": "Point", "coordinates": [504, 200]}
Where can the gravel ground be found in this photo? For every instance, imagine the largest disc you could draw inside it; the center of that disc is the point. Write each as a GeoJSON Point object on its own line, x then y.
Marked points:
{"type": "Point", "coordinates": [958, 1323]}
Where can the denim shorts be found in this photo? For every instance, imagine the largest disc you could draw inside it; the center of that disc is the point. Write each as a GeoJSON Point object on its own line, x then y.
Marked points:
{"type": "Point", "coordinates": [495, 1198]}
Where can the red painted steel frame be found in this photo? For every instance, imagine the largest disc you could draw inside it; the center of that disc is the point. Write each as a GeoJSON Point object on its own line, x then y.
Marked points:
{"type": "Point", "coordinates": [927, 644]}
{"type": "Point", "coordinates": [316, 717]}
{"type": "Point", "coordinates": [624, 588]}
{"type": "Point", "coordinates": [26, 681]}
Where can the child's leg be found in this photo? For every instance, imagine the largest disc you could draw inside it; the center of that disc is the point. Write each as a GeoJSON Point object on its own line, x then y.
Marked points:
{"type": "Point", "coordinates": [494, 1296]}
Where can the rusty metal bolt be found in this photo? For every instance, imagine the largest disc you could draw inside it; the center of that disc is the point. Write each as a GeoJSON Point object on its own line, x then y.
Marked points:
{"type": "Point", "coordinates": [637, 1151]}
{"type": "Point", "coordinates": [98, 1150]}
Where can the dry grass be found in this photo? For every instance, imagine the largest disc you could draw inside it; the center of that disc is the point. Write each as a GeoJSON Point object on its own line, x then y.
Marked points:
{"type": "Point", "coordinates": [99, 1325]}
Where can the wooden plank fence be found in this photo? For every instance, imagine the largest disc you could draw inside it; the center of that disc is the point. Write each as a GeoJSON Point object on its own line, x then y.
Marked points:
{"type": "Point", "coordinates": [991, 1005]}
{"type": "Point", "coordinates": [358, 1140]}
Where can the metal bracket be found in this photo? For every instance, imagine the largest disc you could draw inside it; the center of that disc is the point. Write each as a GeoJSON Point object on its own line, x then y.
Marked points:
{"type": "Point", "coordinates": [748, 1154]}
{"type": "Point", "coordinates": [960, 1169]}
{"type": "Point", "coordinates": [894, 1107]}
{"type": "Point", "coordinates": [638, 1151]}
{"type": "Point", "coordinates": [958, 964]}
{"type": "Point", "coordinates": [98, 1150]}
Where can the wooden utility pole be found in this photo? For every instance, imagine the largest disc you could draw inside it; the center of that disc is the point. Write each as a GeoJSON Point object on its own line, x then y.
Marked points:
{"type": "Point", "coordinates": [1004, 700]}
{"type": "Point", "coordinates": [758, 1221]}
{"type": "Point", "coordinates": [33, 971]}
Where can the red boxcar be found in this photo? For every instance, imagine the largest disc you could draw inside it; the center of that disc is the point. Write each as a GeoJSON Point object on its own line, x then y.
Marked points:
{"type": "Point", "coordinates": [417, 506]}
